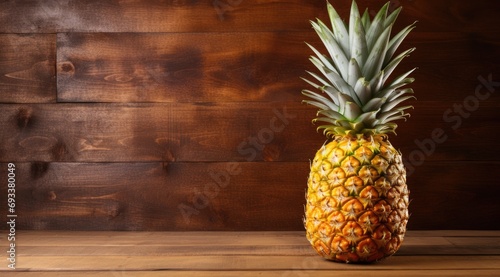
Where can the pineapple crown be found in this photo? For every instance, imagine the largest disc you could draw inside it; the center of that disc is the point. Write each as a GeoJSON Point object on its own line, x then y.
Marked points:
{"type": "Point", "coordinates": [354, 96]}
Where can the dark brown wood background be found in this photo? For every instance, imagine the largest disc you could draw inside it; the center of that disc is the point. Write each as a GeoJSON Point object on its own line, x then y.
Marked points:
{"type": "Point", "coordinates": [186, 114]}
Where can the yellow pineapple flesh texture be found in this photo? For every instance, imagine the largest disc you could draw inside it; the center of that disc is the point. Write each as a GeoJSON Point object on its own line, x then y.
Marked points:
{"type": "Point", "coordinates": [357, 200]}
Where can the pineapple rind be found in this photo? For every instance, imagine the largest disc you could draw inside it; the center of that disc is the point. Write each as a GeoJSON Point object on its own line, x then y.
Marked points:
{"type": "Point", "coordinates": [357, 200]}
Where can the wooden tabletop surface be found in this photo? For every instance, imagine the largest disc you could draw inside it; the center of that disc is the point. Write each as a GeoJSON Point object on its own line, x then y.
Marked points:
{"type": "Point", "coordinates": [67, 253]}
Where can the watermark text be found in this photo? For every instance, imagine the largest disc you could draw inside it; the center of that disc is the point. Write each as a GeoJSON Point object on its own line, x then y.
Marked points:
{"type": "Point", "coordinates": [11, 215]}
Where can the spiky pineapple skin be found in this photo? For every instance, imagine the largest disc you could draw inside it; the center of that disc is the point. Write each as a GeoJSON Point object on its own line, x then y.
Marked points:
{"type": "Point", "coordinates": [357, 200]}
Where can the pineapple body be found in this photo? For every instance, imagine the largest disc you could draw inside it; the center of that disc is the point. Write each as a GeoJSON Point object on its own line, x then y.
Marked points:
{"type": "Point", "coordinates": [357, 200]}
{"type": "Point", "coordinates": [357, 197]}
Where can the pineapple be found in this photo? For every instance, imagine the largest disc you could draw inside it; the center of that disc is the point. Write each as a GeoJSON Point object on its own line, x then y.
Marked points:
{"type": "Point", "coordinates": [357, 197]}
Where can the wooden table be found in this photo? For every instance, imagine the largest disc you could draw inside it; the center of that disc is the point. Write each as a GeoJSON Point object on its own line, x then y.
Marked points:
{"type": "Point", "coordinates": [66, 253]}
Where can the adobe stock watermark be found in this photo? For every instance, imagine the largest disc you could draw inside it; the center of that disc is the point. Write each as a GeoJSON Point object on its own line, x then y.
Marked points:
{"type": "Point", "coordinates": [11, 215]}
{"type": "Point", "coordinates": [223, 6]}
{"type": "Point", "coordinates": [220, 179]}
{"type": "Point", "coordinates": [454, 116]}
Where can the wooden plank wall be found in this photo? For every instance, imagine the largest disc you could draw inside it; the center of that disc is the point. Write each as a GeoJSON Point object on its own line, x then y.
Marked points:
{"type": "Point", "coordinates": [186, 114]}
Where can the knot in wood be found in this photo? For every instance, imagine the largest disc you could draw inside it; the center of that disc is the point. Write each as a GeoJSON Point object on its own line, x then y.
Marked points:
{"type": "Point", "coordinates": [66, 67]}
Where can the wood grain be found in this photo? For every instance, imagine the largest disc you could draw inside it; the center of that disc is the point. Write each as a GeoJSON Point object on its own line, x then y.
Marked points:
{"type": "Point", "coordinates": [27, 68]}
{"type": "Point", "coordinates": [228, 15]}
{"type": "Point", "coordinates": [161, 132]}
{"type": "Point", "coordinates": [442, 193]}
{"type": "Point", "coordinates": [117, 112]}
{"type": "Point", "coordinates": [290, 272]}
{"type": "Point", "coordinates": [156, 196]}
{"type": "Point", "coordinates": [264, 66]}
{"type": "Point", "coordinates": [232, 131]}
{"type": "Point", "coordinates": [450, 65]}
{"type": "Point", "coordinates": [225, 196]}
{"type": "Point", "coordinates": [124, 67]}
{"type": "Point", "coordinates": [255, 263]}
{"type": "Point", "coordinates": [213, 254]}
{"type": "Point", "coordinates": [234, 243]}
{"type": "Point", "coordinates": [154, 16]}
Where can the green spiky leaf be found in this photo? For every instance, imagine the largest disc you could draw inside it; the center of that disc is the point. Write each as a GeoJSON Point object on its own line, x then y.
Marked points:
{"type": "Point", "coordinates": [355, 95]}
